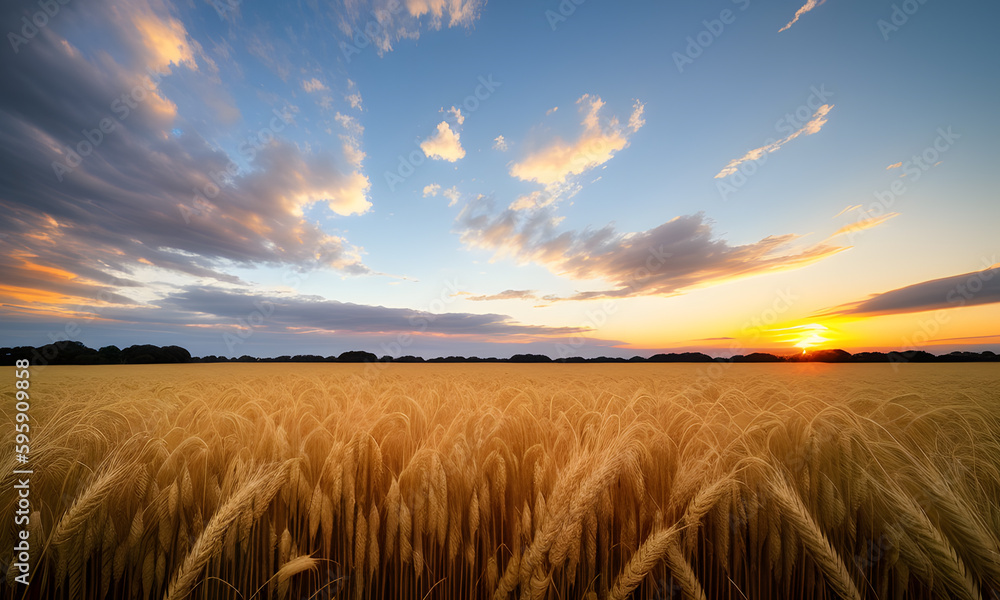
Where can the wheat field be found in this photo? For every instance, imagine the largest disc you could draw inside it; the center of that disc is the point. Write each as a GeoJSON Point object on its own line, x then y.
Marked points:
{"type": "Point", "coordinates": [511, 481]}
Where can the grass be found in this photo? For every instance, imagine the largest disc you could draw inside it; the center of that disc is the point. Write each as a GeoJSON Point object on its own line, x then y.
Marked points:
{"type": "Point", "coordinates": [498, 481]}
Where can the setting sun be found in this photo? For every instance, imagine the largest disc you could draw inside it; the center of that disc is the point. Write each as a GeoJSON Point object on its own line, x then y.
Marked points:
{"type": "Point", "coordinates": [803, 336]}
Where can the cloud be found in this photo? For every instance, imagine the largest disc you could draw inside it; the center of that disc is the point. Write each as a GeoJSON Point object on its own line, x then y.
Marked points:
{"type": "Point", "coordinates": [194, 304]}
{"type": "Point", "coordinates": [313, 85]}
{"type": "Point", "coordinates": [551, 110]}
{"type": "Point", "coordinates": [499, 143]}
{"type": "Point", "coordinates": [967, 289]}
{"type": "Point", "coordinates": [506, 295]}
{"type": "Point", "coordinates": [443, 145]}
{"type": "Point", "coordinates": [456, 113]}
{"type": "Point", "coordinates": [385, 22]}
{"type": "Point", "coordinates": [808, 6]}
{"type": "Point", "coordinates": [354, 97]}
{"type": "Point", "coordinates": [863, 224]}
{"type": "Point", "coordinates": [813, 126]}
{"type": "Point", "coordinates": [557, 161]}
{"type": "Point", "coordinates": [895, 166]}
{"type": "Point", "coordinates": [675, 256]}
{"type": "Point", "coordinates": [457, 12]}
{"type": "Point", "coordinates": [452, 193]}
{"type": "Point", "coordinates": [848, 209]}
{"type": "Point", "coordinates": [144, 202]}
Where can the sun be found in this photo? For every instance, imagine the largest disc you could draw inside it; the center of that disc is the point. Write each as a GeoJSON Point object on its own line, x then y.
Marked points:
{"type": "Point", "coordinates": [805, 336]}
{"type": "Point", "coordinates": [811, 340]}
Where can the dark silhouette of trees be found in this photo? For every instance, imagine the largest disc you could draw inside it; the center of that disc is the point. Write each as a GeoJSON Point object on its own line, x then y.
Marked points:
{"type": "Point", "coordinates": [76, 353]}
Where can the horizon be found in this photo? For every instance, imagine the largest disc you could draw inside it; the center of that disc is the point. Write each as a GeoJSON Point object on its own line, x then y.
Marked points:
{"type": "Point", "coordinates": [58, 354]}
{"type": "Point", "coordinates": [467, 178]}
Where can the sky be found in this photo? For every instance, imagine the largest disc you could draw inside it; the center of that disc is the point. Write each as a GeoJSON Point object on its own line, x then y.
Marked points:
{"type": "Point", "coordinates": [462, 177]}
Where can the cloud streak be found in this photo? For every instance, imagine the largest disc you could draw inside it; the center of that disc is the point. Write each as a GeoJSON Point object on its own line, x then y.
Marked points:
{"type": "Point", "coordinates": [816, 123]}
{"type": "Point", "coordinates": [808, 6]}
{"type": "Point", "coordinates": [967, 289]}
{"type": "Point", "coordinates": [217, 306]}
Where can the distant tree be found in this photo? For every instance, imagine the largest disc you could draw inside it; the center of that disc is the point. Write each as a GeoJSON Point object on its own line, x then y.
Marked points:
{"type": "Point", "coordinates": [529, 358]}
{"type": "Point", "coordinates": [110, 355]}
{"type": "Point", "coordinates": [829, 356]}
{"type": "Point", "coordinates": [697, 357]}
{"type": "Point", "coordinates": [870, 357]}
{"type": "Point", "coordinates": [307, 358]}
{"type": "Point", "coordinates": [357, 356]}
{"type": "Point", "coordinates": [917, 356]}
{"type": "Point", "coordinates": [758, 357]}
{"type": "Point", "coordinates": [408, 359]}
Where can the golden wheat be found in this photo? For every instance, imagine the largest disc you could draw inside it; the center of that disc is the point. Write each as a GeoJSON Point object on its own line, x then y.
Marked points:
{"type": "Point", "coordinates": [495, 481]}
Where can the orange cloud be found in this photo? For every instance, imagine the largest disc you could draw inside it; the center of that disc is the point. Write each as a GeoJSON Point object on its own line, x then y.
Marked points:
{"type": "Point", "coordinates": [559, 160]}
{"type": "Point", "coordinates": [863, 224]}
{"type": "Point", "coordinates": [166, 41]}
{"type": "Point", "coordinates": [443, 145]}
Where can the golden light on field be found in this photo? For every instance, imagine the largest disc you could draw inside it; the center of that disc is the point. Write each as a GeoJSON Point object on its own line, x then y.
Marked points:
{"type": "Point", "coordinates": [211, 482]}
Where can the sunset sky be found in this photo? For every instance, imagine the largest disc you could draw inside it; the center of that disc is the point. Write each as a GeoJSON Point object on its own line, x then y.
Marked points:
{"type": "Point", "coordinates": [439, 177]}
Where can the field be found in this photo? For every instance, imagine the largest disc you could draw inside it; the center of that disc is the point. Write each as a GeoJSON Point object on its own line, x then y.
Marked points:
{"type": "Point", "coordinates": [499, 481]}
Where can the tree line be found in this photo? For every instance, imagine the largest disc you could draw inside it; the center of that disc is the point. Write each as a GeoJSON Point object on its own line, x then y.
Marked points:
{"type": "Point", "coordinates": [76, 353]}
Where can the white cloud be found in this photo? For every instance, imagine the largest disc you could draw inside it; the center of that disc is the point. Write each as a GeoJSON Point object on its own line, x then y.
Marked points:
{"type": "Point", "coordinates": [313, 85]}
{"type": "Point", "coordinates": [396, 20]}
{"type": "Point", "coordinates": [443, 145]}
{"type": "Point", "coordinates": [452, 193]}
{"type": "Point", "coordinates": [600, 140]}
{"type": "Point", "coordinates": [499, 143]}
{"type": "Point", "coordinates": [457, 113]}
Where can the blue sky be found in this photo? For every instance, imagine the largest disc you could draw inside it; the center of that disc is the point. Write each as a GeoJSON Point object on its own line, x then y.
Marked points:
{"type": "Point", "coordinates": [491, 178]}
